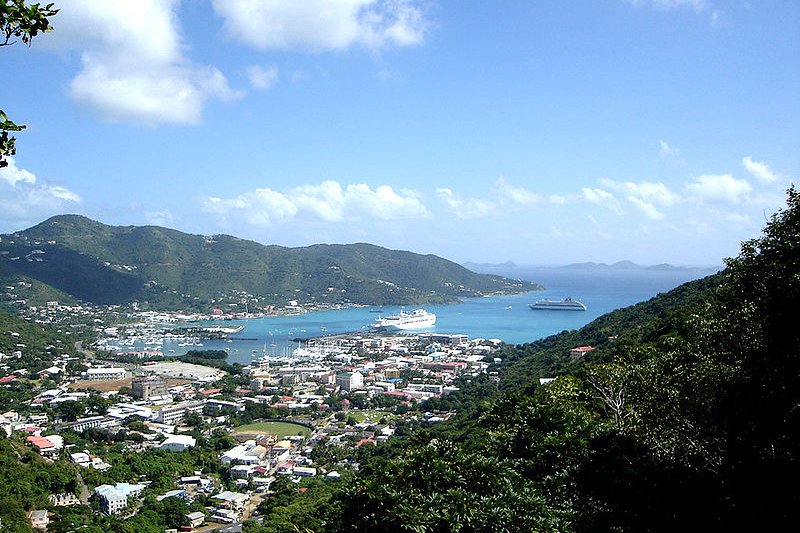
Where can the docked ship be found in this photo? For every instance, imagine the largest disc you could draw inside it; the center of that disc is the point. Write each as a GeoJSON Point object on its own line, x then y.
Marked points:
{"type": "Point", "coordinates": [567, 304]}
{"type": "Point", "coordinates": [418, 319]}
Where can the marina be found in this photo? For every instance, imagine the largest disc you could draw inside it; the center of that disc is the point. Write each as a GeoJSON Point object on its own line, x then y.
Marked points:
{"type": "Point", "coordinates": [507, 318]}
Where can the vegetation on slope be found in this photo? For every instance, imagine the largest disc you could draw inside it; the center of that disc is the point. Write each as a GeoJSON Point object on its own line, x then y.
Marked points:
{"type": "Point", "coordinates": [169, 268]}
{"type": "Point", "coordinates": [686, 421]}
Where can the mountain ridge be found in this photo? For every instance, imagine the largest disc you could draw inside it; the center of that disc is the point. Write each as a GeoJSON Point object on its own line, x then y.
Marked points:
{"type": "Point", "coordinates": [172, 269]}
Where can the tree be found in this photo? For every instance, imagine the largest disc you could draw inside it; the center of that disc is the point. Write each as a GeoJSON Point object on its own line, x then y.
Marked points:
{"type": "Point", "coordinates": [70, 410]}
{"type": "Point", "coordinates": [442, 487]}
{"type": "Point", "coordinates": [19, 21]}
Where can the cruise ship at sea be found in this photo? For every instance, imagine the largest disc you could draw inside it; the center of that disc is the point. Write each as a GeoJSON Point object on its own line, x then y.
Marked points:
{"type": "Point", "coordinates": [418, 319]}
{"type": "Point", "coordinates": [567, 304]}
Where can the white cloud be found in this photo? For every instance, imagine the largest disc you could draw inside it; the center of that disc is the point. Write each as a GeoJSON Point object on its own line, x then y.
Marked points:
{"type": "Point", "coordinates": [14, 175]}
{"type": "Point", "coordinates": [327, 201]}
{"type": "Point", "coordinates": [262, 77]}
{"type": "Point", "coordinates": [23, 200]}
{"type": "Point", "coordinates": [720, 188]}
{"type": "Point", "coordinates": [697, 5]}
{"type": "Point", "coordinates": [665, 150]}
{"type": "Point", "coordinates": [160, 218]}
{"type": "Point", "coordinates": [61, 193]}
{"type": "Point", "coordinates": [739, 219]}
{"type": "Point", "coordinates": [133, 63]}
{"type": "Point", "coordinates": [320, 25]}
{"type": "Point", "coordinates": [466, 207]}
{"type": "Point", "coordinates": [646, 207]}
{"type": "Point", "coordinates": [646, 196]}
{"type": "Point", "coordinates": [597, 196]}
{"type": "Point", "coordinates": [759, 169]}
{"type": "Point", "coordinates": [261, 207]}
{"type": "Point", "coordinates": [385, 203]}
{"type": "Point", "coordinates": [510, 194]}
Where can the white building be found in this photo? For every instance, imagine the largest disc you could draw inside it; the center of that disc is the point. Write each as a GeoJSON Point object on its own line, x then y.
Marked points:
{"type": "Point", "coordinates": [105, 374]}
{"type": "Point", "coordinates": [245, 454]}
{"type": "Point", "coordinates": [178, 443]}
{"type": "Point", "coordinates": [172, 414]}
{"type": "Point", "coordinates": [111, 500]}
{"type": "Point", "coordinates": [231, 500]}
{"type": "Point", "coordinates": [349, 381]}
{"type": "Point", "coordinates": [114, 498]}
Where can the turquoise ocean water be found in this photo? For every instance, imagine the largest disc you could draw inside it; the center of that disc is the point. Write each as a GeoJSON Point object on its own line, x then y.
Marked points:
{"type": "Point", "coordinates": [504, 317]}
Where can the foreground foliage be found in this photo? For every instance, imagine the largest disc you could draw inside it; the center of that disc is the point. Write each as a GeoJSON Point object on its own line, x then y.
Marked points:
{"type": "Point", "coordinates": [684, 418]}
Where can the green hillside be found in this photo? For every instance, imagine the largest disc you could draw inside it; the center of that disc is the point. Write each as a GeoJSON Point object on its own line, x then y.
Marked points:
{"type": "Point", "coordinates": [171, 269]}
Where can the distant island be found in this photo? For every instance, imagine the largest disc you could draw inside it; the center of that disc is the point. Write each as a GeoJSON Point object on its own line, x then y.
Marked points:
{"type": "Point", "coordinates": [589, 265]}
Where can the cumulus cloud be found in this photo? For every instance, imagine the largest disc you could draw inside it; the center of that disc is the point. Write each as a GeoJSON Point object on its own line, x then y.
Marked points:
{"type": "Point", "coordinates": [23, 200]}
{"type": "Point", "coordinates": [601, 197]}
{"type": "Point", "coordinates": [327, 201]}
{"type": "Point", "coordinates": [510, 194]}
{"type": "Point", "coordinates": [14, 175]}
{"type": "Point", "coordinates": [321, 25]}
{"type": "Point", "coordinates": [646, 196]}
{"type": "Point", "coordinates": [262, 77]}
{"type": "Point", "coordinates": [720, 188]}
{"type": "Point", "coordinates": [133, 63]}
{"type": "Point", "coordinates": [596, 196]}
{"type": "Point", "coordinates": [466, 207]}
{"type": "Point", "coordinates": [759, 169]}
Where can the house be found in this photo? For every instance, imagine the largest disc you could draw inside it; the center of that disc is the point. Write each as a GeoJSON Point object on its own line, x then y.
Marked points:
{"type": "Point", "coordinates": [39, 519]}
{"type": "Point", "coordinates": [81, 459]}
{"type": "Point", "coordinates": [580, 351]}
{"type": "Point", "coordinates": [178, 443]}
{"type": "Point", "coordinates": [196, 519]}
{"type": "Point", "coordinates": [178, 493]}
{"type": "Point", "coordinates": [46, 446]}
{"type": "Point", "coordinates": [242, 471]}
{"type": "Point", "coordinates": [64, 499]}
{"type": "Point", "coordinates": [234, 501]}
{"type": "Point", "coordinates": [305, 471]}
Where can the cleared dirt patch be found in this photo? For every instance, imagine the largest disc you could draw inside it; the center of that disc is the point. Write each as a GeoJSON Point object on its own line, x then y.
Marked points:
{"type": "Point", "coordinates": [107, 386]}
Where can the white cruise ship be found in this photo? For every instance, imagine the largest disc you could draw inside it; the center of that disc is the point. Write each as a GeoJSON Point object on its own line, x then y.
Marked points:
{"type": "Point", "coordinates": [567, 304]}
{"type": "Point", "coordinates": [418, 319]}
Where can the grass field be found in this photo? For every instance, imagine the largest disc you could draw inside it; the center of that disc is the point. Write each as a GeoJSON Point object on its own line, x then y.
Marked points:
{"type": "Point", "coordinates": [281, 429]}
{"type": "Point", "coordinates": [370, 416]}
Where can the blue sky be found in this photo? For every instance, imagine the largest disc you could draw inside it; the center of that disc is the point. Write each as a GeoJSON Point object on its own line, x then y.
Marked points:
{"type": "Point", "coordinates": [538, 132]}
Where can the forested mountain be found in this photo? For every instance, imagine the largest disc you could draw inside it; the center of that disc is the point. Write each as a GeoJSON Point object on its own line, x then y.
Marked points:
{"type": "Point", "coordinates": [111, 264]}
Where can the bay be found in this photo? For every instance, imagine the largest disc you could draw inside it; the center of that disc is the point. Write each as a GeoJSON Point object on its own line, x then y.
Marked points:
{"type": "Point", "coordinates": [503, 317]}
